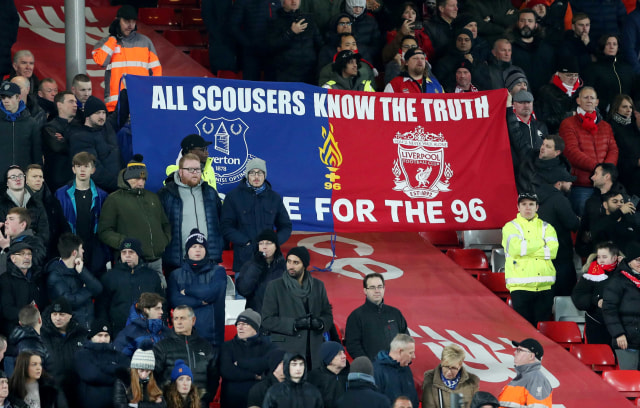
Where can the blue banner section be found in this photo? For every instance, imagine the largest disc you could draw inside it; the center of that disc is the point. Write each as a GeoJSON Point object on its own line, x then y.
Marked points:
{"type": "Point", "coordinates": [243, 120]}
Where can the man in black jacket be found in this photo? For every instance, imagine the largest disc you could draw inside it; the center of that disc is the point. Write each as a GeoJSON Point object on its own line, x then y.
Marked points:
{"type": "Point", "coordinates": [525, 131]}
{"type": "Point", "coordinates": [371, 327]}
{"type": "Point", "coordinates": [361, 387]}
{"type": "Point", "coordinates": [296, 309]}
{"type": "Point", "coordinates": [294, 391]}
{"type": "Point", "coordinates": [440, 27]}
{"type": "Point", "coordinates": [55, 135]}
{"type": "Point", "coordinates": [185, 344]}
{"type": "Point", "coordinates": [331, 376]}
{"type": "Point", "coordinates": [274, 375]}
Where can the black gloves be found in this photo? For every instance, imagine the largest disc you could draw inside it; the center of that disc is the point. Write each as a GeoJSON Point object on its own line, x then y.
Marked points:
{"type": "Point", "coordinates": [316, 324]}
{"type": "Point", "coordinates": [114, 29]}
{"type": "Point", "coordinates": [303, 323]}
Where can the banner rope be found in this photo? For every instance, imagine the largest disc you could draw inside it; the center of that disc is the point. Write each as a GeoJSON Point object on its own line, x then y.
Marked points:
{"type": "Point", "coordinates": [333, 255]}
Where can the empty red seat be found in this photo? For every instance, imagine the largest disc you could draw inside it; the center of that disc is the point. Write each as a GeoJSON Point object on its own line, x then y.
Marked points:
{"type": "Point", "coordinates": [185, 39]}
{"type": "Point", "coordinates": [598, 357]}
{"type": "Point", "coordinates": [563, 333]}
{"type": "Point", "coordinates": [192, 18]}
{"type": "Point", "coordinates": [494, 281]}
{"type": "Point", "coordinates": [627, 382]}
{"type": "Point", "coordinates": [159, 18]}
{"type": "Point", "coordinates": [443, 240]}
{"type": "Point", "coordinates": [472, 260]}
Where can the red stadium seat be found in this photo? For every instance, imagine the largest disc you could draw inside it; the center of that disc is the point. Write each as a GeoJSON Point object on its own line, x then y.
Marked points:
{"type": "Point", "coordinates": [192, 18]}
{"type": "Point", "coordinates": [227, 261]}
{"type": "Point", "coordinates": [443, 240]}
{"type": "Point", "coordinates": [494, 281]}
{"type": "Point", "coordinates": [159, 18]}
{"type": "Point", "coordinates": [229, 74]}
{"type": "Point", "coordinates": [563, 333]}
{"type": "Point", "coordinates": [471, 260]}
{"type": "Point", "coordinates": [201, 56]}
{"type": "Point", "coordinates": [599, 357]}
{"type": "Point", "coordinates": [185, 39]}
{"type": "Point", "coordinates": [627, 382]}
{"type": "Point", "coordinates": [178, 3]}
{"type": "Point", "coordinates": [230, 332]}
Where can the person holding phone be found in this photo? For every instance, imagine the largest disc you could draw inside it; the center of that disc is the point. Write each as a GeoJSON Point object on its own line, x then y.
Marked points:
{"type": "Point", "coordinates": [410, 25]}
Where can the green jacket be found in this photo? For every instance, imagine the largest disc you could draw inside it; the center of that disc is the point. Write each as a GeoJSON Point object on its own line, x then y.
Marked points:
{"type": "Point", "coordinates": [134, 213]}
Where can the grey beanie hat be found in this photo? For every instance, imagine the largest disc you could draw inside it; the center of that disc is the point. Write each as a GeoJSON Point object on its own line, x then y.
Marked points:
{"type": "Point", "coordinates": [256, 163]}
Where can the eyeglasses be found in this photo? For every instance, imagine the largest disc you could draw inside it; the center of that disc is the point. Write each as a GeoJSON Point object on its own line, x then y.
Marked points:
{"type": "Point", "coordinates": [522, 350]}
{"type": "Point", "coordinates": [16, 177]}
{"type": "Point", "coordinates": [379, 287]}
{"type": "Point", "coordinates": [449, 368]}
{"type": "Point", "coordinates": [345, 23]}
{"type": "Point", "coordinates": [192, 170]}
{"type": "Point", "coordinates": [256, 173]}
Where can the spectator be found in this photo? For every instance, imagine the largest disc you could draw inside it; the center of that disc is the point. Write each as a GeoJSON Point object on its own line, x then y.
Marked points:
{"type": "Point", "coordinates": [608, 75]}
{"type": "Point", "coordinates": [20, 131]}
{"type": "Point", "coordinates": [402, 402]}
{"type": "Point", "coordinates": [530, 244]}
{"type": "Point", "coordinates": [464, 73]}
{"type": "Point", "coordinates": [371, 327]}
{"type": "Point", "coordinates": [274, 375]}
{"type": "Point", "coordinates": [576, 45]}
{"type": "Point", "coordinates": [55, 136]}
{"type": "Point", "coordinates": [249, 20]}
{"type": "Point", "coordinates": [243, 360]}
{"type": "Point", "coordinates": [515, 81]}
{"type": "Point", "coordinates": [620, 307]}
{"type": "Point", "coordinates": [392, 372]}
{"type": "Point", "coordinates": [589, 140]}
{"type": "Point", "coordinates": [40, 192]}
{"type": "Point", "coordinates": [251, 208]}
{"type": "Point", "coordinates": [345, 74]}
{"type": "Point", "coordinates": [339, 26]}
{"type": "Point", "coordinates": [16, 195]}
{"type": "Point", "coordinates": [294, 40]}
{"type": "Point", "coordinates": [481, 49]}
{"type": "Point", "coordinates": [531, 52]}
{"type": "Point", "coordinates": [347, 43]}
{"type": "Point", "coordinates": [411, 25]}
{"type": "Point", "coordinates": [68, 277]}
{"type": "Point", "coordinates": [493, 75]}
{"type": "Point", "coordinates": [20, 285]}
{"type": "Point", "coordinates": [331, 376]}
{"type": "Point", "coordinates": [530, 387]}
{"type": "Point", "coordinates": [557, 100]}
{"type": "Point", "coordinates": [195, 144]}
{"type": "Point", "coordinates": [96, 364]}
{"type": "Point", "coordinates": [493, 16]}
{"type": "Point", "coordinates": [137, 213]}
{"type": "Point", "coordinates": [525, 131]}
{"type": "Point", "coordinates": [182, 393]}
{"type": "Point", "coordinates": [30, 100]}
{"type": "Point", "coordinates": [440, 28]}
{"type": "Point", "coordinates": [294, 391]}
{"type": "Point", "coordinates": [124, 283]}
{"type": "Point", "coordinates": [9, 20]}
{"type": "Point", "coordinates": [449, 377]}
{"type": "Point", "coordinates": [190, 203]}
{"type": "Point", "coordinates": [618, 223]}
{"type": "Point", "coordinates": [588, 292]}
{"type": "Point", "coordinates": [82, 89]}
{"type": "Point", "coordinates": [139, 385]}
{"type": "Point", "coordinates": [30, 384]}
{"type": "Point", "coordinates": [365, 28]}
{"type": "Point", "coordinates": [394, 67]}
{"type": "Point", "coordinates": [607, 16]}
{"type": "Point", "coordinates": [98, 137]}
{"type": "Point", "coordinates": [47, 90]}
{"type": "Point", "coordinates": [201, 284]}
{"type": "Point", "coordinates": [25, 336]}
{"type": "Point", "coordinates": [266, 265]}
{"type": "Point", "coordinates": [144, 323]}
{"type": "Point", "coordinates": [550, 17]}
{"type": "Point", "coordinates": [361, 387]}
{"type": "Point", "coordinates": [416, 76]}
{"type": "Point", "coordinates": [185, 344]}
{"type": "Point", "coordinates": [296, 309]}
{"type": "Point", "coordinates": [23, 65]}
{"type": "Point", "coordinates": [63, 337]}
{"type": "Point", "coordinates": [222, 50]}
{"type": "Point", "coordinates": [124, 51]}
{"type": "Point", "coordinates": [483, 399]}
{"type": "Point", "coordinates": [81, 202]}
{"type": "Point", "coordinates": [16, 231]}
{"type": "Point", "coordinates": [445, 69]}
{"type": "Point", "coordinates": [623, 119]}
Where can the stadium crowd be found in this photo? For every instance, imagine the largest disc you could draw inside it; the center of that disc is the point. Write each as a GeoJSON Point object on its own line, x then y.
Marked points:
{"type": "Point", "coordinates": [113, 295]}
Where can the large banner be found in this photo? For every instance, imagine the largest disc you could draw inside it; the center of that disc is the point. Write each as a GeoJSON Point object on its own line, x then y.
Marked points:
{"type": "Point", "coordinates": [342, 161]}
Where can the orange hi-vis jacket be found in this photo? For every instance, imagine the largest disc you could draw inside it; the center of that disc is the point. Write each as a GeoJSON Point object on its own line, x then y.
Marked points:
{"type": "Point", "coordinates": [134, 55]}
{"type": "Point", "coordinates": [529, 388]}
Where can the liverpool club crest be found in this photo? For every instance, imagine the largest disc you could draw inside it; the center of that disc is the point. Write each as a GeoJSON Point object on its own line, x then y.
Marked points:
{"type": "Point", "coordinates": [420, 170]}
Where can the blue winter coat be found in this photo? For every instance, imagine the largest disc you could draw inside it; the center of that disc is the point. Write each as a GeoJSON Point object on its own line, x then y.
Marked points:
{"type": "Point", "coordinates": [97, 365]}
{"type": "Point", "coordinates": [129, 339]}
{"type": "Point", "coordinates": [393, 380]}
{"type": "Point", "coordinates": [205, 284]}
{"type": "Point", "coordinates": [246, 214]}
{"type": "Point", "coordinates": [172, 203]}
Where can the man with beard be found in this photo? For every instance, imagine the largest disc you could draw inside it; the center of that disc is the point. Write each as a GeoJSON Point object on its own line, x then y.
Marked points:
{"type": "Point", "coordinates": [195, 144]}
{"type": "Point", "coordinates": [98, 137]}
{"type": "Point", "coordinates": [531, 52]}
{"type": "Point", "coordinates": [552, 188]}
{"type": "Point", "coordinates": [416, 76]}
{"type": "Point", "coordinates": [190, 203]}
{"type": "Point", "coordinates": [296, 309]}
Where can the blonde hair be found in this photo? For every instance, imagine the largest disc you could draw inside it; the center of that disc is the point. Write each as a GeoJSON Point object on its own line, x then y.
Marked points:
{"type": "Point", "coordinates": [452, 354]}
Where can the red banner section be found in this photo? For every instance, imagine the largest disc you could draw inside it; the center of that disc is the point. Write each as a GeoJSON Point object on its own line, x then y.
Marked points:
{"type": "Point", "coordinates": [404, 162]}
{"type": "Point", "coordinates": [444, 304]}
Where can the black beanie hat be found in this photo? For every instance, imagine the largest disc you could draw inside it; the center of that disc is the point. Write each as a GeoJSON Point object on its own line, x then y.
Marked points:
{"type": "Point", "coordinates": [195, 237]}
{"type": "Point", "coordinates": [93, 105]}
{"type": "Point", "coordinates": [268, 235]}
{"type": "Point", "coordinates": [302, 253]}
{"type": "Point", "coordinates": [134, 244]}
{"type": "Point", "coordinates": [99, 326]}
{"type": "Point", "coordinates": [362, 365]}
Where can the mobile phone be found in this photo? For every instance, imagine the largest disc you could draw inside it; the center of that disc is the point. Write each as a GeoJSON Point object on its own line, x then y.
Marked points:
{"type": "Point", "coordinates": [634, 200]}
{"type": "Point", "coordinates": [417, 25]}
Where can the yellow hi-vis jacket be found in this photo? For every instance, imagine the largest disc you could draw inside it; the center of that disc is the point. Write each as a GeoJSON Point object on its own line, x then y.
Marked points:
{"type": "Point", "coordinates": [529, 247]}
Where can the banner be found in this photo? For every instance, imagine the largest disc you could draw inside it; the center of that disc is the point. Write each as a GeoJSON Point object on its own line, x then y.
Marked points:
{"type": "Point", "coordinates": [342, 161]}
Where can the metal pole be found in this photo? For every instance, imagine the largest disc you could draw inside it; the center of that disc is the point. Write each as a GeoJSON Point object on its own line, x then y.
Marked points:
{"type": "Point", "coordinates": [74, 39]}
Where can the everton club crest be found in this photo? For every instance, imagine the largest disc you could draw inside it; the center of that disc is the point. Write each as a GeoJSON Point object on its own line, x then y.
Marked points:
{"type": "Point", "coordinates": [420, 170]}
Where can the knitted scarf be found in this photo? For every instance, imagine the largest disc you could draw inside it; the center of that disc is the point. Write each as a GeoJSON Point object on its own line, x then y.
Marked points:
{"type": "Point", "coordinates": [623, 120]}
{"type": "Point", "coordinates": [564, 88]}
{"type": "Point", "coordinates": [257, 190]}
{"type": "Point", "coordinates": [598, 273]}
{"type": "Point", "coordinates": [292, 285]}
{"type": "Point", "coordinates": [451, 384]}
{"type": "Point", "coordinates": [588, 120]}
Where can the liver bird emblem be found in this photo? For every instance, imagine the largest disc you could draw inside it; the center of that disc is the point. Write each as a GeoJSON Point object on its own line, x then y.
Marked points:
{"type": "Point", "coordinates": [422, 176]}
